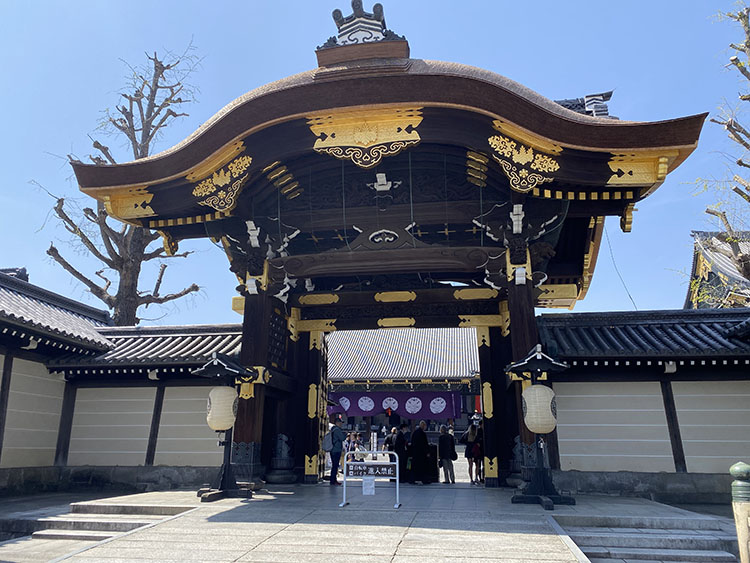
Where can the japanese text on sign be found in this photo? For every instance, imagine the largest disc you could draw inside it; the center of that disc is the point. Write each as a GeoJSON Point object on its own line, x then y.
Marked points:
{"type": "Point", "coordinates": [371, 470]}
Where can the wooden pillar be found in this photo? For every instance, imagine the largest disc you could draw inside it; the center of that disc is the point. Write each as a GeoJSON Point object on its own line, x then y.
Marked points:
{"type": "Point", "coordinates": [492, 381]}
{"type": "Point", "coordinates": [153, 434]}
{"type": "Point", "coordinates": [313, 386]}
{"type": "Point", "coordinates": [673, 425]}
{"type": "Point", "coordinates": [524, 336]}
{"type": "Point", "coordinates": [66, 424]}
{"type": "Point", "coordinates": [4, 395]}
{"type": "Point", "coordinates": [248, 428]}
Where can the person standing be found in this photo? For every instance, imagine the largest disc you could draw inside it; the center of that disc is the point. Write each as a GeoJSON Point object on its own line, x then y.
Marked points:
{"type": "Point", "coordinates": [337, 438]}
{"type": "Point", "coordinates": [469, 437]}
{"type": "Point", "coordinates": [447, 453]}
{"type": "Point", "coordinates": [419, 452]}
{"type": "Point", "coordinates": [399, 447]}
{"type": "Point", "coordinates": [389, 444]}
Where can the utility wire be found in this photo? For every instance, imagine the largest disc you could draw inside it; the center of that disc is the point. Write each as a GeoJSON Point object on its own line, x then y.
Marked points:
{"type": "Point", "coordinates": [612, 256]}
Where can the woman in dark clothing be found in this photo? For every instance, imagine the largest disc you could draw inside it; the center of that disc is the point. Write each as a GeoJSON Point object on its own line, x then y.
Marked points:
{"type": "Point", "coordinates": [479, 453]}
{"type": "Point", "coordinates": [470, 439]}
{"type": "Point", "coordinates": [446, 454]}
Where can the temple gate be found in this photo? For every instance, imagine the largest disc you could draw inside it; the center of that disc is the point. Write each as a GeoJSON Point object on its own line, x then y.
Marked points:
{"type": "Point", "coordinates": [379, 191]}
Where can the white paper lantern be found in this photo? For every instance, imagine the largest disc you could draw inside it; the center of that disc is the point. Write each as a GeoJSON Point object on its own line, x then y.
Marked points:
{"type": "Point", "coordinates": [539, 409]}
{"type": "Point", "coordinates": [221, 411]}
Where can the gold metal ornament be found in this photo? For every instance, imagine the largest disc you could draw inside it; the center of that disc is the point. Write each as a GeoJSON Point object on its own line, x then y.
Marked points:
{"type": "Point", "coordinates": [221, 188]}
{"type": "Point", "coordinates": [525, 167]}
{"type": "Point", "coordinates": [311, 465]}
{"type": "Point", "coordinates": [487, 399]}
{"type": "Point", "coordinates": [365, 136]}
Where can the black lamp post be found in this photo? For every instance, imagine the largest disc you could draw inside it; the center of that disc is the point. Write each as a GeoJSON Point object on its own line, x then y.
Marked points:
{"type": "Point", "coordinates": [228, 373]}
{"type": "Point", "coordinates": [540, 489]}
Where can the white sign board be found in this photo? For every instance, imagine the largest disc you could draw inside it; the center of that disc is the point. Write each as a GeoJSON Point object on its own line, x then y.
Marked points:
{"type": "Point", "coordinates": [368, 486]}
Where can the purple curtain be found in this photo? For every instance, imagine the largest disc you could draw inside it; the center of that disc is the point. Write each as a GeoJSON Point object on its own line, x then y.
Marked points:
{"type": "Point", "coordinates": [407, 404]}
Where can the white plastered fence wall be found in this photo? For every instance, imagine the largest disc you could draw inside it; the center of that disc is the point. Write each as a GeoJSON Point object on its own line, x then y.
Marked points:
{"type": "Point", "coordinates": [714, 418]}
{"type": "Point", "coordinates": [111, 426]}
{"type": "Point", "coordinates": [33, 416]}
{"type": "Point", "coordinates": [612, 427]}
{"type": "Point", "coordinates": [184, 437]}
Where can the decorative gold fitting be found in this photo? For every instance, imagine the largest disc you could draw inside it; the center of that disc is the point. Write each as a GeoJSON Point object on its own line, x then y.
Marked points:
{"type": "Point", "coordinates": [510, 269]}
{"type": "Point", "coordinates": [475, 293]}
{"type": "Point", "coordinates": [395, 296]}
{"type": "Point", "coordinates": [487, 399]}
{"type": "Point", "coordinates": [394, 322]}
{"type": "Point", "coordinates": [318, 299]}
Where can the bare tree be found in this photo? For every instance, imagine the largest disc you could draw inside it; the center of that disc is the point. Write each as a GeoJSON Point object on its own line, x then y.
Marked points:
{"type": "Point", "coordinates": [150, 102]}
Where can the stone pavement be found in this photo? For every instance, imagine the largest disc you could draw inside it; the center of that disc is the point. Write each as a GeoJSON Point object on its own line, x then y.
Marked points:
{"type": "Point", "coordinates": [303, 523]}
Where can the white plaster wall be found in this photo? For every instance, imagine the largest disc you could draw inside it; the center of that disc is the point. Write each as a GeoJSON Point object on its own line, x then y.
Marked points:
{"type": "Point", "coordinates": [33, 419]}
{"type": "Point", "coordinates": [613, 427]}
{"type": "Point", "coordinates": [184, 437]}
{"type": "Point", "coordinates": [111, 426]}
{"type": "Point", "coordinates": [714, 420]}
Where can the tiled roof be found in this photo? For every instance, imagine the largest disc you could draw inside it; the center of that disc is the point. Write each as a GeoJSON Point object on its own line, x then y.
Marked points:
{"type": "Point", "coordinates": [429, 353]}
{"type": "Point", "coordinates": [698, 333]}
{"type": "Point", "coordinates": [158, 346]}
{"type": "Point", "coordinates": [43, 312]}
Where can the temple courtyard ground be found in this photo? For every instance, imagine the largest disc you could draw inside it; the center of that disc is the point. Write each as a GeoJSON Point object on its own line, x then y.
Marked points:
{"type": "Point", "coordinates": [303, 523]}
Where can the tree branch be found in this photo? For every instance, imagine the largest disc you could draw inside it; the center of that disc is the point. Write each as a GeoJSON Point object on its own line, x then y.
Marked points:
{"type": "Point", "coordinates": [73, 228]}
{"type": "Point", "coordinates": [149, 299]}
{"type": "Point", "coordinates": [97, 290]}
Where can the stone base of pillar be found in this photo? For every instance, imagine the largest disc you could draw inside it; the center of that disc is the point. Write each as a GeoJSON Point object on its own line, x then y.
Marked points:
{"type": "Point", "coordinates": [310, 479]}
{"type": "Point", "coordinates": [491, 482]}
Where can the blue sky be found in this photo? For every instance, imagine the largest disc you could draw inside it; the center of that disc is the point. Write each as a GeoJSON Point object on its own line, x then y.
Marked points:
{"type": "Point", "coordinates": [61, 67]}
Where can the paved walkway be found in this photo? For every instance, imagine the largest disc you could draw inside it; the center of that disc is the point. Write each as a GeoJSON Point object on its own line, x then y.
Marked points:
{"type": "Point", "coordinates": [303, 523]}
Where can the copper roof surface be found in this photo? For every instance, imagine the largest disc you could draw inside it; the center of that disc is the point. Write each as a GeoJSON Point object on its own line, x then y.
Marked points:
{"type": "Point", "coordinates": [398, 354]}
{"type": "Point", "coordinates": [415, 81]}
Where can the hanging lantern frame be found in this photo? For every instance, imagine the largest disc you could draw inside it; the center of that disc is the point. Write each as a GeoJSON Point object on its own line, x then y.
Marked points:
{"type": "Point", "coordinates": [534, 368]}
{"type": "Point", "coordinates": [225, 370]}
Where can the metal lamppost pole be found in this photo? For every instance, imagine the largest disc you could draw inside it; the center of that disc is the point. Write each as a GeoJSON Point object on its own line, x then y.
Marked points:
{"type": "Point", "coordinates": [541, 418]}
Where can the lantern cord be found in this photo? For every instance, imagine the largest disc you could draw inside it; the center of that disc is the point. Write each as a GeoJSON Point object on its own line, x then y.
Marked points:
{"type": "Point", "coordinates": [411, 206]}
{"type": "Point", "coordinates": [481, 213]}
{"type": "Point", "coordinates": [278, 213]}
{"type": "Point", "coordinates": [343, 206]}
{"type": "Point", "coordinates": [309, 202]}
{"type": "Point", "coordinates": [445, 194]}
{"type": "Point", "coordinates": [619, 275]}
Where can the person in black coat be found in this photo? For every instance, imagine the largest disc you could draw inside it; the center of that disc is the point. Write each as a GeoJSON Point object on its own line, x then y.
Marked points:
{"type": "Point", "coordinates": [447, 453]}
{"type": "Point", "coordinates": [419, 452]}
{"type": "Point", "coordinates": [400, 448]}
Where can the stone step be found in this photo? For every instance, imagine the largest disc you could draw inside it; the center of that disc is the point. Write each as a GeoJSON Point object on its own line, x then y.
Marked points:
{"type": "Point", "coordinates": [139, 509]}
{"type": "Point", "coordinates": [90, 535]}
{"type": "Point", "coordinates": [698, 522]}
{"type": "Point", "coordinates": [692, 541]}
{"type": "Point", "coordinates": [601, 554]}
{"type": "Point", "coordinates": [81, 522]}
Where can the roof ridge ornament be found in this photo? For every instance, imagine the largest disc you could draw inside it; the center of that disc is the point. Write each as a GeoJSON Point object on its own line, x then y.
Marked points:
{"type": "Point", "coordinates": [360, 27]}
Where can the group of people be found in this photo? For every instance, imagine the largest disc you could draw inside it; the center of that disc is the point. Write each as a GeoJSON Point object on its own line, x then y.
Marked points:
{"type": "Point", "coordinates": [413, 449]}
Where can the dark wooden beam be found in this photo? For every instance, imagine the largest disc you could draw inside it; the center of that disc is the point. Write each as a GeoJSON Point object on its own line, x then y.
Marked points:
{"type": "Point", "coordinates": [4, 395]}
{"type": "Point", "coordinates": [66, 424]}
{"type": "Point", "coordinates": [444, 294]}
{"type": "Point", "coordinates": [153, 434]}
{"type": "Point", "coordinates": [678, 452]}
